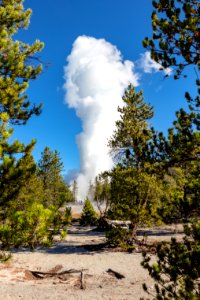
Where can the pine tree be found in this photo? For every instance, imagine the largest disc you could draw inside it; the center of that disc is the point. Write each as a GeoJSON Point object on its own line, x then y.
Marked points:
{"type": "Point", "coordinates": [135, 190]}
{"type": "Point", "coordinates": [88, 215]}
{"type": "Point", "coordinates": [176, 43]}
{"type": "Point", "coordinates": [17, 67]}
{"type": "Point", "coordinates": [135, 196]}
{"type": "Point", "coordinates": [26, 221]}
{"type": "Point", "coordinates": [31, 189]}
{"type": "Point", "coordinates": [56, 191]}
{"type": "Point", "coordinates": [176, 37]}
{"type": "Point", "coordinates": [133, 132]}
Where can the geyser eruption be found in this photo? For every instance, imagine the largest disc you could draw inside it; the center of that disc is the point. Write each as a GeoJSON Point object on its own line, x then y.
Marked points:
{"type": "Point", "coordinates": [95, 80]}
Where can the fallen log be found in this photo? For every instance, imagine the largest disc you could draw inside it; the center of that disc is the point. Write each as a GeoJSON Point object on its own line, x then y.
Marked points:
{"type": "Point", "coordinates": [116, 274]}
{"type": "Point", "coordinates": [118, 223]}
{"type": "Point", "coordinates": [42, 275]}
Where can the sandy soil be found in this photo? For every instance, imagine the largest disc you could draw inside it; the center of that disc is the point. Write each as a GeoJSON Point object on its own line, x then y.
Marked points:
{"type": "Point", "coordinates": [17, 281]}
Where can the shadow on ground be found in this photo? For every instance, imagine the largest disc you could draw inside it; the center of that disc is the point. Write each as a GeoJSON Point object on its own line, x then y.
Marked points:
{"type": "Point", "coordinates": [88, 241]}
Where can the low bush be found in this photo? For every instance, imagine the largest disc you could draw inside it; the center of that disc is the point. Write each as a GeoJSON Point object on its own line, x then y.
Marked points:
{"type": "Point", "coordinates": [118, 236]}
{"type": "Point", "coordinates": [30, 227]}
{"type": "Point", "coordinates": [177, 270]}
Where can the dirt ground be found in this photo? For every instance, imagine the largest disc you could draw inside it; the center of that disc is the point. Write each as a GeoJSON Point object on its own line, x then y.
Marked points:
{"type": "Point", "coordinates": [76, 270]}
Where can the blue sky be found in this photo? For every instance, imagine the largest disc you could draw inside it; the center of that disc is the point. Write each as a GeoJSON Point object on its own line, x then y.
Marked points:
{"type": "Point", "coordinates": [58, 24]}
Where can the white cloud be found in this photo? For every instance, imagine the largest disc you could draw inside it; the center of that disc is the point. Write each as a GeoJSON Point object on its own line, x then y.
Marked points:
{"type": "Point", "coordinates": [95, 79]}
{"type": "Point", "coordinates": [149, 65]}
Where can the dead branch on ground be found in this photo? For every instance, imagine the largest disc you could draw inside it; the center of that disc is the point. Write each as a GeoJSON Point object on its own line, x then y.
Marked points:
{"type": "Point", "coordinates": [116, 274]}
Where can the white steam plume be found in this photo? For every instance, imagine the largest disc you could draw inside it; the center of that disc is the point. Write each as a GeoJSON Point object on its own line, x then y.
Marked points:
{"type": "Point", "coordinates": [95, 80]}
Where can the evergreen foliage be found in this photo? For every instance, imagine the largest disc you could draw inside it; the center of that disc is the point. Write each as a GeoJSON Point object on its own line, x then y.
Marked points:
{"type": "Point", "coordinates": [17, 68]}
{"type": "Point", "coordinates": [176, 271]}
{"type": "Point", "coordinates": [88, 215]}
{"type": "Point", "coordinates": [134, 188]}
{"type": "Point", "coordinates": [21, 214]}
{"type": "Point", "coordinates": [157, 177]}
{"type": "Point", "coordinates": [56, 191]}
{"type": "Point", "coordinates": [134, 196]}
{"type": "Point", "coordinates": [29, 220]}
{"type": "Point", "coordinates": [28, 227]}
{"type": "Point", "coordinates": [177, 44]}
{"type": "Point", "coordinates": [176, 34]}
{"type": "Point", "coordinates": [133, 132]}
{"type": "Point", "coordinates": [176, 158]}
{"type": "Point", "coordinates": [118, 236]}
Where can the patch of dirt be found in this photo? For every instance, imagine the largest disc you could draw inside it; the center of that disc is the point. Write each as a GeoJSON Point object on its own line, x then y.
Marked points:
{"type": "Point", "coordinates": [56, 269]}
{"type": "Point", "coordinates": [28, 275]}
{"type": "Point", "coordinates": [44, 273]}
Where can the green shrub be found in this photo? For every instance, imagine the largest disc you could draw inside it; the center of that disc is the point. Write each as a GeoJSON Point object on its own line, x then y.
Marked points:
{"type": "Point", "coordinates": [67, 216]}
{"type": "Point", "coordinates": [29, 227]}
{"type": "Point", "coordinates": [88, 215]}
{"type": "Point", "coordinates": [177, 270]}
{"type": "Point", "coordinates": [63, 234]}
{"type": "Point", "coordinates": [118, 236]}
